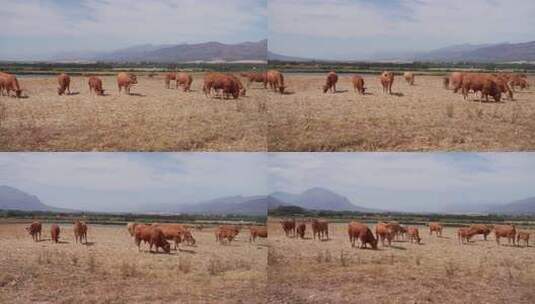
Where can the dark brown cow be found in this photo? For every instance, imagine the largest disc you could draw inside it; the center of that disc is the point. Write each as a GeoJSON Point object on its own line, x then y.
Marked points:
{"type": "Point", "coordinates": [173, 232]}
{"type": "Point", "coordinates": [320, 228]}
{"type": "Point", "coordinates": [152, 235]}
{"type": "Point", "coordinates": [387, 80]}
{"type": "Point", "coordinates": [64, 82]}
{"type": "Point", "coordinates": [35, 230]}
{"type": "Point", "coordinates": [255, 77]}
{"type": "Point", "coordinates": [384, 231]}
{"type": "Point", "coordinates": [507, 231]}
{"type": "Point", "coordinates": [524, 236]}
{"type": "Point", "coordinates": [184, 80]}
{"type": "Point", "coordinates": [275, 80]}
{"type": "Point", "coordinates": [481, 229]}
{"type": "Point", "coordinates": [54, 233]}
{"type": "Point", "coordinates": [464, 234]}
{"type": "Point", "coordinates": [288, 226]}
{"type": "Point", "coordinates": [301, 230]}
{"type": "Point", "coordinates": [435, 227]}
{"type": "Point", "coordinates": [80, 231]}
{"type": "Point", "coordinates": [409, 77]}
{"type": "Point", "coordinates": [481, 83]}
{"type": "Point", "coordinates": [358, 231]}
{"type": "Point", "coordinates": [167, 79]}
{"type": "Point", "coordinates": [8, 83]}
{"type": "Point", "coordinates": [358, 84]}
{"type": "Point", "coordinates": [330, 82]}
{"type": "Point", "coordinates": [126, 81]}
{"type": "Point", "coordinates": [260, 232]}
{"type": "Point", "coordinates": [414, 235]}
{"type": "Point", "coordinates": [95, 86]}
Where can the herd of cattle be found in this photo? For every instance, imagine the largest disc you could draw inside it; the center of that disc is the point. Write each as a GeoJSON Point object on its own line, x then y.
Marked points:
{"type": "Point", "coordinates": [386, 232]}
{"type": "Point", "coordinates": [156, 235]}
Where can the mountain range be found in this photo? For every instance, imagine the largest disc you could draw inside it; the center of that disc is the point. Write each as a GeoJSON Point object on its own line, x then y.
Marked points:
{"type": "Point", "coordinates": [174, 53]}
{"type": "Point", "coordinates": [15, 199]}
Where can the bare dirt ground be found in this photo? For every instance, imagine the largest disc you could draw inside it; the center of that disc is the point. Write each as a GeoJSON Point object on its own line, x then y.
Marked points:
{"type": "Point", "coordinates": [111, 270]}
{"type": "Point", "coordinates": [437, 271]}
{"type": "Point", "coordinates": [151, 119]}
{"type": "Point", "coordinates": [424, 117]}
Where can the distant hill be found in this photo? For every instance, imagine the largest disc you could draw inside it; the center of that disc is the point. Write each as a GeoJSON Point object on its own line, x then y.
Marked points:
{"type": "Point", "coordinates": [279, 57]}
{"type": "Point", "coordinates": [15, 199]}
{"type": "Point", "coordinates": [520, 207]}
{"type": "Point", "coordinates": [169, 53]}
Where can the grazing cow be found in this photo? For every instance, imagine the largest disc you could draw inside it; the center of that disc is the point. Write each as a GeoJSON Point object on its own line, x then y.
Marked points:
{"type": "Point", "coordinates": [481, 83]}
{"type": "Point", "coordinates": [35, 230]}
{"type": "Point", "coordinates": [330, 82]}
{"type": "Point", "coordinates": [387, 80]}
{"type": "Point", "coordinates": [446, 83]}
{"type": "Point", "coordinates": [275, 80]}
{"type": "Point", "coordinates": [227, 232]}
{"type": "Point", "coordinates": [64, 82]}
{"type": "Point", "coordinates": [384, 232]}
{"type": "Point", "coordinates": [173, 232]}
{"type": "Point", "coordinates": [456, 81]}
{"type": "Point", "coordinates": [301, 229]}
{"type": "Point", "coordinates": [188, 238]}
{"type": "Point", "coordinates": [358, 84]}
{"type": "Point", "coordinates": [95, 86]}
{"type": "Point", "coordinates": [240, 85]}
{"type": "Point", "coordinates": [54, 233]}
{"type": "Point", "coordinates": [288, 226]}
{"type": "Point", "coordinates": [435, 227]}
{"type": "Point", "coordinates": [168, 77]}
{"type": "Point", "coordinates": [397, 230]}
{"type": "Point", "coordinates": [414, 235]}
{"type": "Point", "coordinates": [517, 81]}
{"type": "Point", "coordinates": [503, 86]}
{"type": "Point", "coordinates": [8, 83]}
{"type": "Point", "coordinates": [80, 231]}
{"type": "Point", "coordinates": [403, 232]}
{"type": "Point", "coordinates": [152, 235]}
{"type": "Point", "coordinates": [507, 231]}
{"type": "Point", "coordinates": [255, 77]}
{"type": "Point", "coordinates": [361, 232]}
{"type": "Point", "coordinates": [184, 80]}
{"type": "Point", "coordinates": [126, 80]}
{"type": "Point", "coordinates": [257, 232]}
{"type": "Point", "coordinates": [464, 234]}
{"type": "Point", "coordinates": [409, 77]}
{"type": "Point", "coordinates": [320, 228]}
{"type": "Point", "coordinates": [522, 235]}
{"type": "Point", "coordinates": [481, 229]}
{"type": "Point", "coordinates": [219, 81]}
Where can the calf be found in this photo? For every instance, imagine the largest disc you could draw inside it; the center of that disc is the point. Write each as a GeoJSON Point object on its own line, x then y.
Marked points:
{"type": "Point", "coordinates": [80, 231]}
{"type": "Point", "coordinates": [95, 86]}
{"type": "Point", "coordinates": [435, 227]}
{"type": "Point", "coordinates": [413, 234]}
{"type": "Point", "coordinates": [387, 80]}
{"type": "Point", "coordinates": [54, 233]}
{"type": "Point", "coordinates": [35, 230]}
{"type": "Point", "coordinates": [409, 78]}
{"type": "Point", "coordinates": [330, 82]}
{"type": "Point", "coordinates": [524, 236]}
{"type": "Point", "coordinates": [257, 232]}
{"type": "Point", "coordinates": [358, 84]}
{"type": "Point", "coordinates": [64, 82]}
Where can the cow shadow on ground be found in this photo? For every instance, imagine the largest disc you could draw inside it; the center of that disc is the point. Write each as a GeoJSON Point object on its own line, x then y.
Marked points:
{"type": "Point", "coordinates": [63, 242]}
{"type": "Point", "coordinates": [341, 91]}
{"type": "Point", "coordinates": [189, 251]}
{"type": "Point", "coordinates": [325, 240]}
{"type": "Point", "coordinates": [397, 94]}
{"type": "Point", "coordinates": [288, 93]}
{"type": "Point", "coordinates": [397, 247]}
{"type": "Point", "coordinates": [137, 94]}
{"type": "Point", "coordinates": [73, 93]}
{"type": "Point", "coordinates": [89, 243]}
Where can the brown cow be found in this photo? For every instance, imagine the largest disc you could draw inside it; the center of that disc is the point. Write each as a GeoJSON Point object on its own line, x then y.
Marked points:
{"type": "Point", "coordinates": [64, 82]}
{"type": "Point", "coordinates": [288, 226]}
{"type": "Point", "coordinates": [240, 85]}
{"type": "Point", "coordinates": [409, 78]}
{"type": "Point", "coordinates": [152, 235]}
{"type": "Point", "coordinates": [503, 86]}
{"type": "Point", "coordinates": [219, 81]}
{"type": "Point", "coordinates": [95, 86]}
{"type": "Point", "coordinates": [184, 80]}
{"type": "Point", "coordinates": [301, 229]}
{"type": "Point", "coordinates": [257, 232]}
{"type": "Point", "coordinates": [255, 77]}
{"type": "Point", "coordinates": [167, 79]}
{"type": "Point", "coordinates": [80, 231]}
{"type": "Point", "coordinates": [35, 230]}
{"type": "Point", "coordinates": [384, 231]}
{"type": "Point", "coordinates": [320, 228]}
{"type": "Point", "coordinates": [275, 80]}
{"type": "Point", "coordinates": [465, 234]}
{"type": "Point", "coordinates": [173, 232]}
{"type": "Point", "coordinates": [446, 83]}
{"type": "Point", "coordinates": [387, 80]}
{"type": "Point", "coordinates": [481, 229]}
{"type": "Point", "coordinates": [9, 83]}
{"type": "Point", "coordinates": [481, 83]}
{"type": "Point", "coordinates": [456, 81]}
{"type": "Point", "coordinates": [522, 235]}
{"type": "Point", "coordinates": [508, 231]}
{"type": "Point", "coordinates": [413, 234]}
{"type": "Point", "coordinates": [131, 227]}
{"type": "Point", "coordinates": [517, 81]}
{"type": "Point", "coordinates": [359, 231]}
{"type": "Point", "coordinates": [126, 80]}
{"type": "Point", "coordinates": [330, 82]}
{"type": "Point", "coordinates": [227, 232]}
{"type": "Point", "coordinates": [435, 227]}
{"type": "Point", "coordinates": [54, 233]}
{"type": "Point", "coordinates": [358, 84]}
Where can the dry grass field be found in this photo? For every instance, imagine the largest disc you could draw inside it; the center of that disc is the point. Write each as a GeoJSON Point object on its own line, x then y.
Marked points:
{"type": "Point", "coordinates": [111, 270]}
{"type": "Point", "coordinates": [151, 119]}
{"type": "Point", "coordinates": [437, 271]}
{"type": "Point", "coordinates": [424, 117]}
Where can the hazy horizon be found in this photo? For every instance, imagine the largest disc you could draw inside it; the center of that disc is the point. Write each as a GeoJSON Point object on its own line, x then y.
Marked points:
{"type": "Point", "coordinates": [364, 30]}
{"type": "Point", "coordinates": [41, 29]}
{"type": "Point", "coordinates": [410, 182]}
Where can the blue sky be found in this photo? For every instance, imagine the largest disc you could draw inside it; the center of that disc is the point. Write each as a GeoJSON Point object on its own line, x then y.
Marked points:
{"type": "Point", "coordinates": [362, 29]}
{"type": "Point", "coordinates": [396, 181]}
{"type": "Point", "coordinates": [36, 28]}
